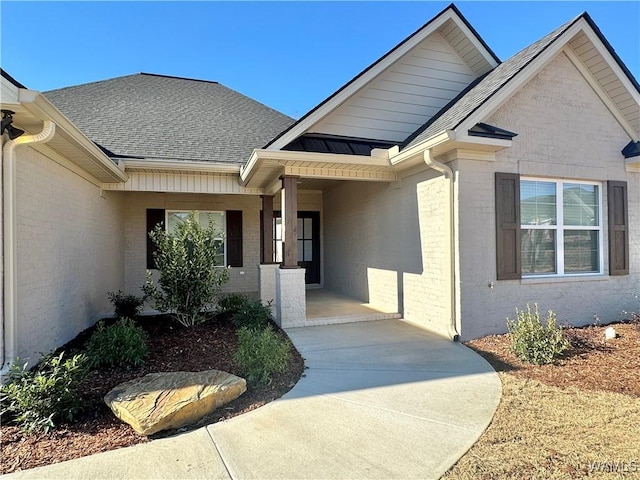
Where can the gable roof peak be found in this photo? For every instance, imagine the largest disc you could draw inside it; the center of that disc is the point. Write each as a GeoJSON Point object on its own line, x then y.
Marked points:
{"type": "Point", "coordinates": [486, 60]}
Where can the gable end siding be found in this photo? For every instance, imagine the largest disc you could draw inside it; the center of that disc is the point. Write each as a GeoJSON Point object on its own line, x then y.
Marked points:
{"type": "Point", "coordinates": [403, 97]}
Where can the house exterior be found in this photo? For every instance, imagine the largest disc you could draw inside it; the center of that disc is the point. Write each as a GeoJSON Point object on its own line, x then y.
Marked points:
{"type": "Point", "coordinates": [440, 183]}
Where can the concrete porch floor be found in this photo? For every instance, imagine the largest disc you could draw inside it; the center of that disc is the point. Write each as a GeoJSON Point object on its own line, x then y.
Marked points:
{"type": "Point", "coordinates": [325, 307]}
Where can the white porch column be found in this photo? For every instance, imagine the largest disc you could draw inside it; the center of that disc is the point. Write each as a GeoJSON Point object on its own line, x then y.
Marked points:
{"type": "Point", "coordinates": [267, 286]}
{"type": "Point", "coordinates": [291, 306]}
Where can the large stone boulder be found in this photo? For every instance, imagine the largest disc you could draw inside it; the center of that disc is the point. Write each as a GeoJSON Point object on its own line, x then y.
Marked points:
{"type": "Point", "coordinates": [160, 401]}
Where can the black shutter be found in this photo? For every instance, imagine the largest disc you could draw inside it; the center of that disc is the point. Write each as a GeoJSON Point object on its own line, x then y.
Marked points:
{"type": "Point", "coordinates": [508, 257]}
{"type": "Point", "coordinates": [155, 216]}
{"type": "Point", "coordinates": [234, 238]}
{"type": "Point", "coordinates": [618, 228]}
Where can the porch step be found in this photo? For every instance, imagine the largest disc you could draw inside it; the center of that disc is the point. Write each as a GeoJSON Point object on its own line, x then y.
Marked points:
{"type": "Point", "coordinates": [350, 318]}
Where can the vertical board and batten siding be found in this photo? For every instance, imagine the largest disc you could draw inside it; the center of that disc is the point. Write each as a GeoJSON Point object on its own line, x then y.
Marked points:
{"type": "Point", "coordinates": [182, 182]}
{"type": "Point", "coordinates": [403, 97]}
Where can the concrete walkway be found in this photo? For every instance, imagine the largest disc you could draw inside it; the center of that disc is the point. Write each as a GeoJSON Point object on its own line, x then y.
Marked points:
{"type": "Point", "coordinates": [380, 399]}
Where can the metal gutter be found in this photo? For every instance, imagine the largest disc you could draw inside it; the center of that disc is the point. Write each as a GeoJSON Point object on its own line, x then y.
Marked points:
{"type": "Point", "coordinates": [9, 277]}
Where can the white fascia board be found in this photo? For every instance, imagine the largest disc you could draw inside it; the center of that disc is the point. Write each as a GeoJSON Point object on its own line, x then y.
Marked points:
{"type": "Point", "coordinates": [38, 105]}
{"type": "Point", "coordinates": [186, 166]}
{"type": "Point", "coordinates": [352, 88]}
{"type": "Point", "coordinates": [437, 139]}
{"type": "Point", "coordinates": [293, 158]}
{"type": "Point", "coordinates": [632, 165]}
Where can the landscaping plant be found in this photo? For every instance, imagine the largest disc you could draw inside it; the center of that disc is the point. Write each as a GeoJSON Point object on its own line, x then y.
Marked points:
{"type": "Point", "coordinates": [37, 399]}
{"type": "Point", "coordinates": [261, 353]}
{"type": "Point", "coordinates": [190, 279]}
{"type": "Point", "coordinates": [125, 305]}
{"type": "Point", "coordinates": [122, 344]}
{"type": "Point", "coordinates": [535, 342]}
{"type": "Point", "coordinates": [232, 303]}
{"type": "Point", "coordinates": [252, 314]}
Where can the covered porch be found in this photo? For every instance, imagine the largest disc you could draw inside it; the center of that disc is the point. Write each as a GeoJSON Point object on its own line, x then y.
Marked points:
{"type": "Point", "coordinates": [287, 271]}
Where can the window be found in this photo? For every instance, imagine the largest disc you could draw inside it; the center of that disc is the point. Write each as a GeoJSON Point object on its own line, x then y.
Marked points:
{"type": "Point", "coordinates": [547, 227]}
{"type": "Point", "coordinates": [561, 227]}
{"type": "Point", "coordinates": [218, 218]}
{"type": "Point", "coordinates": [229, 223]}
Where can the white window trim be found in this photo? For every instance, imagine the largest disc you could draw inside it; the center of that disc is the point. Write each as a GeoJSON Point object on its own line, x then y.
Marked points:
{"type": "Point", "coordinates": [206, 212]}
{"type": "Point", "coordinates": [559, 228]}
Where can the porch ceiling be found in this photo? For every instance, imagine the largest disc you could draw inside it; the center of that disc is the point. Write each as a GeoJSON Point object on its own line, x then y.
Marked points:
{"type": "Point", "coordinates": [316, 170]}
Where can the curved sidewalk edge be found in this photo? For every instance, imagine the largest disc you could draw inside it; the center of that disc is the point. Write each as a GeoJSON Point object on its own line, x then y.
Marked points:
{"type": "Point", "coordinates": [382, 399]}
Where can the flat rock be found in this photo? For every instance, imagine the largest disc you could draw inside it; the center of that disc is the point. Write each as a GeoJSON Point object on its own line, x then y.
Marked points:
{"type": "Point", "coordinates": [161, 401]}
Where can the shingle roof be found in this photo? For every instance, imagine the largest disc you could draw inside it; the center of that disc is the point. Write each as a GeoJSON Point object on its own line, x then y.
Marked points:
{"type": "Point", "coordinates": [160, 117]}
{"type": "Point", "coordinates": [477, 94]}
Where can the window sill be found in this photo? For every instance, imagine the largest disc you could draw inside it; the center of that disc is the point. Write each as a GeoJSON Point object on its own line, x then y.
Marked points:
{"type": "Point", "coordinates": [597, 277]}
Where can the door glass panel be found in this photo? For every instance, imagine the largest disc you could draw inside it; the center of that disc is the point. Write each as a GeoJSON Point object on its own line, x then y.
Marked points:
{"type": "Point", "coordinates": [300, 231]}
{"type": "Point", "coordinates": [308, 231]}
{"type": "Point", "coordinates": [300, 250]}
{"type": "Point", "coordinates": [308, 250]}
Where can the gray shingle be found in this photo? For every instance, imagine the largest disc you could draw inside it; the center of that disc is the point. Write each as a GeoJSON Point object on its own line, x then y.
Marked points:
{"type": "Point", "coordinates": [453, 114]}
{"type": "Point", "coordinates": [154, 116]}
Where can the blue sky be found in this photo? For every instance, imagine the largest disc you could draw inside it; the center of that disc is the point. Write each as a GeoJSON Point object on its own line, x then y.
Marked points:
{"type": "Point", "coordinates": [288, 55]}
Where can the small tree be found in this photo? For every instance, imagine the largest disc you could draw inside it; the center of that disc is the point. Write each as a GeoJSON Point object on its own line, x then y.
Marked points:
{"type": "Point", "coordinates": [189, 280]}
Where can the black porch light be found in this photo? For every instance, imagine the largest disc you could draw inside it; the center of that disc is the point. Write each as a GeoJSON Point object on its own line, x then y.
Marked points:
{"type": "Point", "coordinates": [7, 120]}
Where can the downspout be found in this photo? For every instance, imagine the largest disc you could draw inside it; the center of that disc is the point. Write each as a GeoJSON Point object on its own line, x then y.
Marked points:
{"type": "Point", "coordinates": [9, 239]}
{"type": "Point", "coordinates": [448, 174]}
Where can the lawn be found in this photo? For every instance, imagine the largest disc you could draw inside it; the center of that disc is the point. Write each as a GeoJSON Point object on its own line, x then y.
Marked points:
{"type": "Point", "coordinates": [578, 418]}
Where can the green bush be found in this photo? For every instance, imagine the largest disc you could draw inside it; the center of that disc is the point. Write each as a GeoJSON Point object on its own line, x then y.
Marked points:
{"type": "Point", "coordinates": [252, 314]}
{"type": "Point", "coordinates": [37, 399]}
{"type": "Point", "coordinates": [122, 344]}
{"type": "Point", "coordinates": [232, 303]}
{"type": "Point", "coordinates": [534, 342]}
{"type": "Point", "coordinates": [189, 277]}
{"type": "Point", "coordinates": [125, 305]}
{"type": "Point", "coordinates": [261, 353]}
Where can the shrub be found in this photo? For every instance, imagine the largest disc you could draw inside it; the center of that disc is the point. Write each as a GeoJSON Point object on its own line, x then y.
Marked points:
{"type": "Point", "coordinates": [232, 303]}
{"type": "Point", "coordinates": [261, 353]}
{"type": "Point", "coordinates": [534, 342]}
{"type": "Point", "coordinates": [122, 344]}
{"type": "Point", "coordinates": [189, 279]}
{"type": "Point", "coordinates": [37, 399]}
{"type": "Point", "coordinates": [125, 305]}
{"type": "Point", "coordinates": [252, 314]}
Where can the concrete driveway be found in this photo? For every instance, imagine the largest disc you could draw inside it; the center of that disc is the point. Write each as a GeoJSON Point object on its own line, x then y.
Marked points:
{"type": "Point", "coordinates": [380, 399]}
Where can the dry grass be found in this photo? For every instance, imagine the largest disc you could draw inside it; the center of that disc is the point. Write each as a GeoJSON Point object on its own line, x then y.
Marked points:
{"type": "Point", "coordinates": [546, 429]}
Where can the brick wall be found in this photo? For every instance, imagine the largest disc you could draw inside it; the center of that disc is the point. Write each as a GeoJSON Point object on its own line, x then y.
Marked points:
{"type": "Point", "coordinates": [388, 244]}
{"type": "Point", "coordinates": [241, 279]}
{"type": "Point", "coordinates": [70, 247]}
{"type": "Point", "coordinates": [565, 131]}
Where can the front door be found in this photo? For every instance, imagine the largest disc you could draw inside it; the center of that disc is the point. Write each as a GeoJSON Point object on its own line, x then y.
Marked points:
{"type": "Point", "coordinates": [308, 243]}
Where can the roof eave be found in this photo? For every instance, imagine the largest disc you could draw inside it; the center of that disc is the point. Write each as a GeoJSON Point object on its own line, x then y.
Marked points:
{"type": "Point", "coordinates": [39, 107]}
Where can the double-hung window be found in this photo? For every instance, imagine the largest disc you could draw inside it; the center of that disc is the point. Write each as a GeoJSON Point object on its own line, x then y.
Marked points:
{"type": "Point", "coordinates": [204, 218]}
{"type": "Point", "coordinates": [553, 227]}
{"type": "Point", "coordinates": [561, 227]}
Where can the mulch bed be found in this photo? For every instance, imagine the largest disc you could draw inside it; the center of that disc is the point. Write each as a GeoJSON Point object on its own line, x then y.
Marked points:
{"type": "Point", "coordinates": [210, 345]}
{"type": "Point", "coordinates": [591, 363]}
